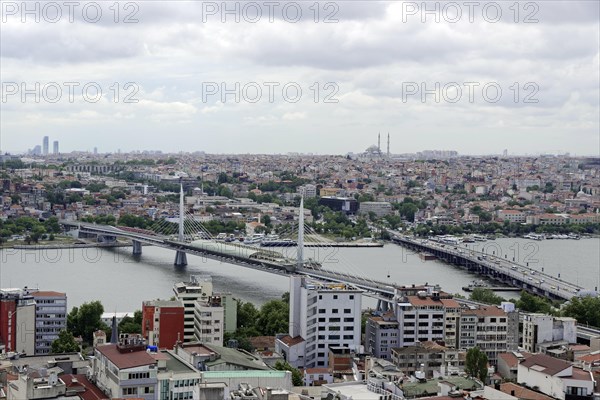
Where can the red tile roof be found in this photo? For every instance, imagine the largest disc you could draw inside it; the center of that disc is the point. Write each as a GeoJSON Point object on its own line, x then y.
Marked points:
{"type": "Point", "coordinates": [548, 365]}
{"type": "Point", "coordinates": [126, 360]}
{"type": "Point", "coordinates": [522, 392]}
{"type": "Point", "coordinates": [290, 341]}
{"type": "Point", "coordinates": [47, 293]}
{"type": "Point", "coordinates": [80, 381]}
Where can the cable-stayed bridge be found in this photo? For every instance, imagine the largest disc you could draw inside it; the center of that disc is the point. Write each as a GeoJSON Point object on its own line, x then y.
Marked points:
{"type": "Point", "coordinates": [186, 235]}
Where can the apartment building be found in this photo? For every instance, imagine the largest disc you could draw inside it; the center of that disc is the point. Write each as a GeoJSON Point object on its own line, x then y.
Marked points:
{"type": "Point", "coordinates": [322, 316]}
{"type": "Point", "coordinates": [513, 216]}
{"type": "Point", "coordinates": [125, 370]}
{"type": "Point", "coordinates": [487, 327]}
{"type": "Point", "coordinates": [421, 314]}
{"type": "Point", "coordinates": [381, 335]}
{"type": "Point", "coordinates": [428, 357]}
{"type": "Point", "coordinates": [209, 319]}
{"type": "Point", "coordinates": [423, 318]}
{"type": "Point", "coordinates": [30, 319]}
{"type": "Point", "coordinates": [539, 329]}
{"type": "Point", "coordinates": [162, 323]}
{"type": "Point", "coordinates": [379, 208]}
{"type": "Point", "coordinates": [199, 287]}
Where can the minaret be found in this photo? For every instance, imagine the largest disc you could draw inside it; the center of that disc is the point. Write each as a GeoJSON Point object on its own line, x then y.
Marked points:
{"type": "Point", "coordinates": [114, 335]}
{"type": "Point", "coordinates": [300, 247]}
{"type": "Point", "coordinates": [379, 142]}
{"type": "Point", "coordinates": [388, 149]}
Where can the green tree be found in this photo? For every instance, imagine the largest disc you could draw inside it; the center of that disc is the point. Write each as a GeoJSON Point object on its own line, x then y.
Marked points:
{"type": "Point", "coordinates": [273, 318]}
{"type": "Point", "coordinates": [65, 343]}
{"type": "Point", "coordinates": [296, 375]}
{"type": "Point", "coordinates": [487, 296]}
{"type": "Point", "coordinates": [586, 310]}
{"type": "Point", "coordinates": [476, 364]}
{"type": "Point", "coordinates": [532, 303]}
{"type": "Point", "coordinates": [131, 324]}
{"type": "Point", "coordinates": [246, 314]}
{"type": "Point", "coordinates": [85, 320]}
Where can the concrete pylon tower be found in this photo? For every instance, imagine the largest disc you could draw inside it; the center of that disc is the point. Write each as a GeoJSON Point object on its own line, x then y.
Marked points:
{"type": "Point", "coordinates": [180, 256]}
{"type": "Point", "coordinates": [379, 142]}
{"type": "Point", "coordinates": [181, 211]}
{"type": "Point", "coordinates": [300, 247]}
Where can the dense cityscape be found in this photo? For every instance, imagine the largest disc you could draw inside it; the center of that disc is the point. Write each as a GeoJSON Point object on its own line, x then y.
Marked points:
{"type": "Point", "coordinates": [318, 340]}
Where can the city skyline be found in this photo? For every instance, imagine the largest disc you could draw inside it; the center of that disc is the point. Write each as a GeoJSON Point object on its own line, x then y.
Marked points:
{"type": "Point", "coordinates": [371, 67]}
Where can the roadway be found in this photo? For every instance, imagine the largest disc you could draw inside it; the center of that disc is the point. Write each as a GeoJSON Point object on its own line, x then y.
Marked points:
{"type": "Point", "coordinates": [375, 289]}
{"type": "Point", "coordinates": [496, 267]}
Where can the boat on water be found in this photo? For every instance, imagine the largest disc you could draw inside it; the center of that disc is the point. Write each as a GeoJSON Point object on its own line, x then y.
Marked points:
{"type": "Point", "coordinates": [276, 242]}
{"type": "Point", "coordinates": [254, 239]}
{"type": "Point", "coordinates": [534, 236]}
{"type": "Point", "coordinates": [479, 238]}
{"type": "Point", "coordinates": [426, 256]}
{"type": "Point", "coordinates": [478, 284]}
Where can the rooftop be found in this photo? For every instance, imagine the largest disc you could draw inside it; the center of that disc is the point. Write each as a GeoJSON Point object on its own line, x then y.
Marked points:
{"type": "Point", "coordinates": [430, 387]}
{"type": "Point", "coordinates": [522, 392]}
{"type": "Point", "coordinates": [126, 360]}
{"type": "Point", "coordinates": [545, 364]}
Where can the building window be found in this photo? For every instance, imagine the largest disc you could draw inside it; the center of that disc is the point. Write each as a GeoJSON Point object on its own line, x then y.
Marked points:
{"type": "Point", "coordinates": [321, 311]}
{"type": "Point", "coordinates": [347, 310]}
{"type": "Point", "coordinates": [351, 297]}
{"type": "Point", "coordinates": [334, 311]}
{"type": "Point", "coordinates": [335, 296]}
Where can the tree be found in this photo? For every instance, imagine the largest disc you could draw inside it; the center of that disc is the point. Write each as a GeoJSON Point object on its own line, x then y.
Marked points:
{"type": "Point", "coordinates": [85, 320]}
{"type": "Point", "coordinates": [586, 310]}
{"type": "Point", "coordinates": [487, 296]}
{"type": "Point", "coordinates": [273, 318]}
{"type": "Point", "coordinates": [246, 315]}
{"type": "Point", "coordinates": [131, 324]}
{"type": "Point", "coordinates": [476, 364]}
{"type": "Point", "coordinates": [65, 343]}
{"type": "Point", "coordinates": [532, 303]}
{"type": "Point", "coordinates": [296, 375]}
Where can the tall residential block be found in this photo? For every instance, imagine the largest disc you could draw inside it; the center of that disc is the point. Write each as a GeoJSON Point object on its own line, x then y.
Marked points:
{"type": "Point", "coordinates": [322, 316]}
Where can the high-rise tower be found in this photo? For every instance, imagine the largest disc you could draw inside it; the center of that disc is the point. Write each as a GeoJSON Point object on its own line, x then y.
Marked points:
{"type": "Point", "coordinates": [45, 145]}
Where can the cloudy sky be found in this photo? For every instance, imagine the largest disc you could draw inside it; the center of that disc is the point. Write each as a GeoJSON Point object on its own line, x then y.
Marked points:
{"type": "Point", "coordinates": [282, 76]}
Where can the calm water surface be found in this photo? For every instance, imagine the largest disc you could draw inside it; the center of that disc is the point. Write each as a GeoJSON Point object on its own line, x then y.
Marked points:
{"type": "Point", "coordinates": [122, 281]}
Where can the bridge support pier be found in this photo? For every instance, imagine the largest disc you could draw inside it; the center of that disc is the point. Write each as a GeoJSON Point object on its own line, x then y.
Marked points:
{"type": "Point", "coordinates": [137, 247]}
{"type": "Point", "coordinates": [180, 259]}
{"type": "Point", "coordinates": [383, 306]}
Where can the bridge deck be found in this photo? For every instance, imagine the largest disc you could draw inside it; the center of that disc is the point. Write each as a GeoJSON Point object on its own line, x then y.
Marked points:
{"type": "Point", "coordinates": [496, 267]}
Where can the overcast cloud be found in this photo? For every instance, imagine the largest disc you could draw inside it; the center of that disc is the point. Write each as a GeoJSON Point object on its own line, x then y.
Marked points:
{"type": "Point", "coordinates": [526, 87]}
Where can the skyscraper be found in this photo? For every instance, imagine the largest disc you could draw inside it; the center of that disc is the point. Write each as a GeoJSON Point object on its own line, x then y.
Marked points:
{"type": "Point", "coordinates": [45, 145]}
{"type": "Point", "coordinates": [55, 147]}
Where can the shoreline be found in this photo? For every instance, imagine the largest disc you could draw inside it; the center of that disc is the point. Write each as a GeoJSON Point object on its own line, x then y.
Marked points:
{"type": "Point", "coordinates": [64, 246]}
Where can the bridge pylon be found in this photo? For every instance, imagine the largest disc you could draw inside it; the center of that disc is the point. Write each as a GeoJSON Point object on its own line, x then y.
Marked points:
{"type": "Point", "coordinates": [180, 259]}
{"type": "Point", "coordinates": [137, 247]}
{"type": "Point", "coordinates": [180, 256]}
